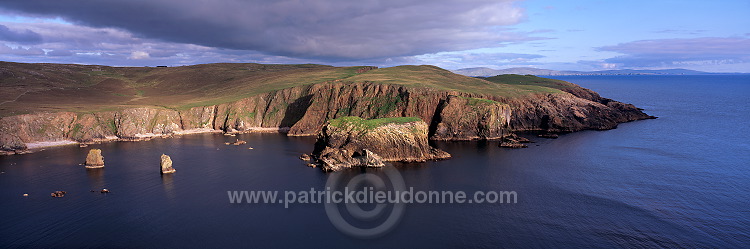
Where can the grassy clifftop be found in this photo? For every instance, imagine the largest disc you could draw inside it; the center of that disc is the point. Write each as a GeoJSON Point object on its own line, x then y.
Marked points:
{"type": "Point", "coordinates": [367, 124]}
{"type": "Point", "coordinates": [438, 78]}
{"type": "Point", "coordinates": [27, 88]}
{"type": "Point", "coordinates": [530, 81]}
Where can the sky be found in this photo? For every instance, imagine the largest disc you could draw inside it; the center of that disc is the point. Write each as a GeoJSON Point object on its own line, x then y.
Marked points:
{"type": "Point", "coordinates": [584, 35]}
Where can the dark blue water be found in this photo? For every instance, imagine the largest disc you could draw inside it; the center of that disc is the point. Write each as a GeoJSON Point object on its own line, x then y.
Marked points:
{"type": "Point", "coordinates": [678, 181]}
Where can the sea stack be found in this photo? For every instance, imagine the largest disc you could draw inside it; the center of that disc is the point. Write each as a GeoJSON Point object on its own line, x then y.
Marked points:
{"type": "Point", "coordinates": [166, 165]}
{"type": "Point", "coordinates": [355, 142]}
{"type": "Point", "coordinates": [94, 159]}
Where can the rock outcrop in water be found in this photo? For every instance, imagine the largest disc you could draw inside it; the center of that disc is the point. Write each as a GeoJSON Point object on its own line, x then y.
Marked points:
{"type": "Point", "coordinates": [166, 165]}
{"type": "Point", "coordinates": [513, 141]}
{"type": "Point", "coordinates": [94, 159]}
{"type": "Point", "coordinates": [355, 142]}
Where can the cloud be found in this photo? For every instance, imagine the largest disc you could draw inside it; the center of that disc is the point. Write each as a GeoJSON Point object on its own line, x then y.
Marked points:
{"type": "Point", "coordinates": [59, 52]}
{"type": "Point", "coordinates": [20, 51]}
{"type": "Point", "coordinates": [681, 31]}
{"type": "Point", "coordinates": [335, 30]}
{"type": "Point", "coordinates": [67, 43]}
{"type": "Point", "coordinates": [25, 36]}
{"type": "Point", "coordinates": [139, 55]}
{"type": "Point", "coordinates": [676, 52]}
{"type": "Point", "coordinates": [455, 60]}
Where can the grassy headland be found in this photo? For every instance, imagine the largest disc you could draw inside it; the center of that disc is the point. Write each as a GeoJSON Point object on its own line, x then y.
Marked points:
{"type": "Point", "coordinates": [27, 88]}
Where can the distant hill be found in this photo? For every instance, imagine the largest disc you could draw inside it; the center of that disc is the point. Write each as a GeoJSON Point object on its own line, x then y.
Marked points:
{"type": "Point", "coordinates": [486, 72]}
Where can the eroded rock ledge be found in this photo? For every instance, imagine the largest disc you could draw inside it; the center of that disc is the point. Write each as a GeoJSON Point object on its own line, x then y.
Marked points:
{"type": "Point", "coordinates": [355, 142]}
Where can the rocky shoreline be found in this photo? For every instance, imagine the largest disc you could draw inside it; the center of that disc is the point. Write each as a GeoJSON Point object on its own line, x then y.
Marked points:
{"type": "Point", "coordinates": [305, 110]}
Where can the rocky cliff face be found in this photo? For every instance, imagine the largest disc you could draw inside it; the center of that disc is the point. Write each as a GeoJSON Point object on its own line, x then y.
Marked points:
{"type": "Point", "coordinates": [355, 142]}
{"type": "Point", "coordinates": [462, 118]}
{"type": "Point", "coordinates": [568, 113]}
{"type": "Point", "coordinates": [304, 110]}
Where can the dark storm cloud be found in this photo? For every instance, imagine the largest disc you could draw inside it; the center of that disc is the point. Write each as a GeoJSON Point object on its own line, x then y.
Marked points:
{"type": "Point", "coordinates": [23, 36]}
{"type": "Point", "coordinates": [65, 43]}
{"type": "Point", "coordinates": [667, 52]}
{"type": "Point", "coordinates": [333, 29]}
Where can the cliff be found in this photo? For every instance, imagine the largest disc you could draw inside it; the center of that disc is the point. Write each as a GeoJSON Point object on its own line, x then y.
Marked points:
{"type": "Point", "coordinates": [455, 107]}
{"type": "Point", "coordinates": [355, 142]}
{"type": "Point", "coordinates": [462, 118]}
{"type": "Point", "coordinates": [572, 108]}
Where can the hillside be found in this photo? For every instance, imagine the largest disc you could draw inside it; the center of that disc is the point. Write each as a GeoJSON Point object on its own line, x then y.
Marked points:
{"type": "Point", "coordinates": [51, 102]}
{"type": "Point", "coordinates": [27, 88]}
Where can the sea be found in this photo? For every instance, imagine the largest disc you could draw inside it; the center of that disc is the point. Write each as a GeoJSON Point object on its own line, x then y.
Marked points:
{"type": "Point", "coordinates": [682, 180]}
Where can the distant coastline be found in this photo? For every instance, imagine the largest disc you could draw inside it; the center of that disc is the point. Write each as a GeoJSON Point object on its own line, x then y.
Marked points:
{"type": "Point", "coordinates": [487, 72]}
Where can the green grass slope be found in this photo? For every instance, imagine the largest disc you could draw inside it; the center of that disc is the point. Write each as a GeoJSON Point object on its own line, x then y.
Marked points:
{"type": "Point", "coordinates": [368, 124]}
{"type": "Point", "coordinates": [531, 82]}
{"type": "Point", "coordinates": [438, 78]}
{"type": "Point", "coordinates": [27, 88]}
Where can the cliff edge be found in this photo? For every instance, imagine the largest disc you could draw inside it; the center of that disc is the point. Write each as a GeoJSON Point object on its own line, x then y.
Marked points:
{"type": "Point", "coordinates": [355, 142]}
{"type": "Point", "coordinates": [58, 104]}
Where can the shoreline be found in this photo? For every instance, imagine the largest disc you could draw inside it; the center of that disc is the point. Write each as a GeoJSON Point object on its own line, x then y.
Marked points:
{"type": "Point", "coordinates": [47, 144]}
{"type": "Point", "coordinates": [42, 145]}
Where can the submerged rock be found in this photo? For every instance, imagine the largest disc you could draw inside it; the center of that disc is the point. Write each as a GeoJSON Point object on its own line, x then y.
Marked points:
{"type": "Point", "coordinates": [514, 141]}
{"type": "Point", "coordinates": [166, 165]}
{"type": "Point", "coordinates": [355, 142]}
{"type": "Point", "coordinates": [237, 142]}
{"type": "Point", "coordinates": [513, 145]}
{"type": "Point", "coordinates": [94, 159]}
{"type": "Point", "coordinates": [548, 135]}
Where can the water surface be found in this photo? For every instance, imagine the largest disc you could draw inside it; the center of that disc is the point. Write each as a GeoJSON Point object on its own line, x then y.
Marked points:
{"type": "Point", "coordinates": [677, 181]}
